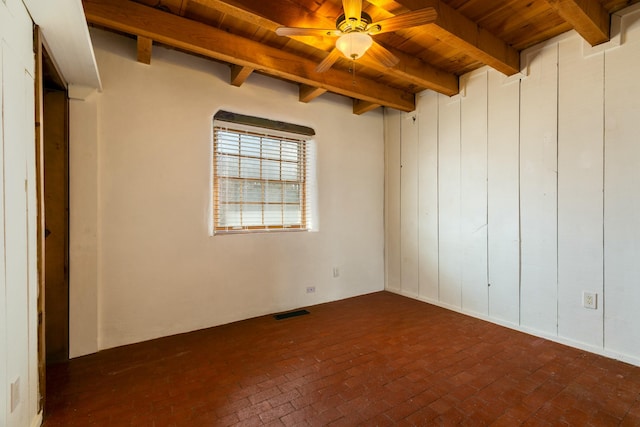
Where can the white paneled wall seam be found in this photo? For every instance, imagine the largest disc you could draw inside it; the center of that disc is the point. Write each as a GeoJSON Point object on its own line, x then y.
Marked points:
{"type": "Point", "coordinates": [519, 204]}
{"type": "Point", "coordinates": [580, 186]}
{"type": "Point", "coordinates": [19, 394]}
{"type": "Point", "coordinates": [622, 201]}
{"type": "Point", "coordinates": [538, 134]}
{"type": "Point", "coordinates": [409, 205]}
{"type": "Point", "coordinates": [473, 193]}
{"type": "Point", "coordinates": [557, 188]}
{"type": "Point", "coordinates": [602, 196]}
{"type": "Point", "coordinates": [561, 176]}
{"type": "Point", "coordinates": [486, 183]}
{"type": "Point", "coordinates": [427, 111]}
{"type": "Point", "coordinates": [503, 196]}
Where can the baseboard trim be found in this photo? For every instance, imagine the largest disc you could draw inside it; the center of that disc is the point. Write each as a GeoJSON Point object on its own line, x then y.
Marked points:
{"type": "Point", "coordinates": [37, 420]}
{"type": "Point", "coordinates": [633, 360]}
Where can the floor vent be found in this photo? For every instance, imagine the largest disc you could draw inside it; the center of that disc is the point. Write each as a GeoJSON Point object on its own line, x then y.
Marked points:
{"type": "Point", "coordinates": [290, 314]}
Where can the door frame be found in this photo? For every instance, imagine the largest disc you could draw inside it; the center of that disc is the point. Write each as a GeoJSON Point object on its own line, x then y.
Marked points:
{"type": "Point", "coordinates": [42, 68]}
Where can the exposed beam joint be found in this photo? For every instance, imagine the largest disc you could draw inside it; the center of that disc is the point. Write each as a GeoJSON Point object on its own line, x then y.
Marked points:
{"type": "Point", "coordinates": [361, 107]}
{"type": "Point", "coordinates": [587, 17]}
{"type": "Point", "coordinates": [229, 7]}
{"type": "Point", "coordinates": [271, 15]}
{"type": "Point", "coordinates": [239, 74]}
{"type": "Point", "coordinates": [458, 31]}
{"type": "Point", "coordinates": [145, 45]}
{"type": "Point", "coordinates": [191, 36]}
{"type": "Point", "coordinates": [309, 93]}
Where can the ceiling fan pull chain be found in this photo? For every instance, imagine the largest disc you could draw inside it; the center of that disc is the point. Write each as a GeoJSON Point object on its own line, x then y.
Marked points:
{"type": "Point", "coordinates": [353, 71]}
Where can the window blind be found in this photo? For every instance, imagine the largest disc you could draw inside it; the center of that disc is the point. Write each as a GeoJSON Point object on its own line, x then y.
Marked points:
{"type": "Point", "coordinates": [260, 179]}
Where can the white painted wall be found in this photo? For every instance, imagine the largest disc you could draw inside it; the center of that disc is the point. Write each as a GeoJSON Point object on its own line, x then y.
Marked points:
{"type": "Point", "coordinates": [527, 196]}
{"type": "Point", "coordinates": [143, 263]}
{"type": "Point", "coordinates": [18, 207]}
{"type": "Point", "coordinates": [621, 195]}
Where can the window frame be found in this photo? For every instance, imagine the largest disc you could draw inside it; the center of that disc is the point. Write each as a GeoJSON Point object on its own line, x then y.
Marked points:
{"type": "Point", "coordinates": [241, 128]}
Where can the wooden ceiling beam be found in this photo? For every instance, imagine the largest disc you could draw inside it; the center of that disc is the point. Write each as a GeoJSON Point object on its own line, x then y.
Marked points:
{"type": "Point", "coordinates": [361, 107]}
{"type": "Point", "coordinates": [587, 17]}
{"type": "Point", "coordinates": [309, 93]}
{"type": "Point", "coordinates": [145, 45]}
{"type": "Point", "coordinates": [239, 74]}
{"type": "Point", "coordinates": [191, 36]}
{"type": "Point", "coordinates": [271, 15]}
{"type": "Point", "coordinates": [458, 31]}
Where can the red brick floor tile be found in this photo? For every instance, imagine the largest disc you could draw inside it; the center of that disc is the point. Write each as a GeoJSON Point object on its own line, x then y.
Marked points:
{"type": "Point", "coordinates": [506, 421]}
{"type": "Point", "coordinates": [630, 420]}
{"type": "Point", "coordinates": [400, 362]}
{"type": "Point", "coordinates": [299, 416]}
{"type": "Point", "coordinates": [326, 417]}
{"type": "Point", "coordinates": [229, 420]}
{"type": "Point", "coordinates": [452, 417]}
{"type": "Point", "coordinates": [254, 410]}
{"type": "Point", "coordinates": [441, 405]}
{"type": "Point", "coordinates": [381, 420]}
{"type": "Point", "coordinates": [283, 398]}
{"type": "Point", "coordinates": [402, 411]}
{"type": "Point", "coordinates": [276, 413]}
{"type": "Point", "coordinates": [603, 418]}
{"type": "Point", "coordinates": [575, 417]}
{"type": "Point", "coordinates": [253, 421]}
{"type": "Point", "coordinates": [422, 417]}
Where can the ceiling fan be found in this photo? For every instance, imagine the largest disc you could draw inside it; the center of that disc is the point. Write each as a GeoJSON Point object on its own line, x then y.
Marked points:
{"type": "Point", "coordinates": [354, 29]}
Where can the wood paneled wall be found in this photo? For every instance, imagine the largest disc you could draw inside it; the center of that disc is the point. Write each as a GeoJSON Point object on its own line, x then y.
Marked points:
{"type": "Point", "coordinates": [508, 201]}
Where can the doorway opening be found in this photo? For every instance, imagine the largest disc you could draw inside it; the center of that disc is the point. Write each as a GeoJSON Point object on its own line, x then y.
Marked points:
{"type": "Point", "coordinates": [52, 141]}
{"type": "Point", "coordinates": [56, 214]}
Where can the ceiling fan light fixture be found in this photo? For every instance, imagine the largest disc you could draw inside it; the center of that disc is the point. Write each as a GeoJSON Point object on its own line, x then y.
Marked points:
{"type": "Point", "coordinates": [354, 45]}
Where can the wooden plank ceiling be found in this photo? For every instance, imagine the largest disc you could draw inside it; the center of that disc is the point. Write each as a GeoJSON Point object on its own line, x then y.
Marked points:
{"type": "Point", "coordinates": [466, 35]}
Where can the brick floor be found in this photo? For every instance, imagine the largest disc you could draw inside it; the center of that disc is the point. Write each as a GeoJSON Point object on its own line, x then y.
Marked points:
{"type": "Point", "coordinates": [375, 360]}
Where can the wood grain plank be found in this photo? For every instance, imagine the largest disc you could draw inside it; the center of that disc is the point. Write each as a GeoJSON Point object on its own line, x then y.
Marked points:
{"type": "Point", "coordinates": [198, 38]}
{"type": "Point", "coordinates": [587, 17]}
{"type": "Point", "coordinates": [239, 74]}
{"type": "Point", "coordinates": [274, 14]}
{"type": "Point", "coordinates": [361, 107]}
{"type": "Point", "coordinates": [145, 45]}
{"type": "Point", "coordinates": [458, 31]}
{"type": "Point", "coordinates": [309, 93]}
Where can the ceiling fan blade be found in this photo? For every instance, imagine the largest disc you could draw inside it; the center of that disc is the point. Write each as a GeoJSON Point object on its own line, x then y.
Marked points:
{"type": "Point", "coordinates": [328, 61]}
{"type": "Point", "coordinates": [352, 10]}
{"type": "Point", "coordinates": [403, 21]}
{"type": "Point", "coordinates": [382, 55]}
{"type": "Point", "coordinates": [317, 32]}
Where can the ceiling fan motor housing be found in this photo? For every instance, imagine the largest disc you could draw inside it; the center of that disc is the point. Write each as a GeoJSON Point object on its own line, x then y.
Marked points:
{"type": "Point", "coordinates": [349, 25]}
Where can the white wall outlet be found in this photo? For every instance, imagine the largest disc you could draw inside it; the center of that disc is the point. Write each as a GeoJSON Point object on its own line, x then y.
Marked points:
{"type": "Point", "coordinates": [311, 289]}
{"type": "Point", "coordinates": [336, 272]}
{"type": "Point", "coordinates": [590, 300]}
{"type": "Point", "coordinates": [15, 394]}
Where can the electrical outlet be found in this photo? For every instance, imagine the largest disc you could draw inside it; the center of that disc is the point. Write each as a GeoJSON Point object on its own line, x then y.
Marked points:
{"type": "Point", "coordinates": [15, 394]}
{"type": "Point", "coordinates": [336, 272]}
{"type": "Point", "coordinates": [590, 300]}
{"type": "Point", "coordinates": [311, 289]}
